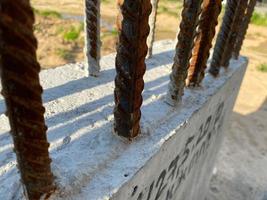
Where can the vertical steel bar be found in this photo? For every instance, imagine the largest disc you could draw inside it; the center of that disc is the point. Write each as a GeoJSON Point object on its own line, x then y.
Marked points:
{"type": "Point", "coordinates": [92, 39]}
{"type": "Point", "coordinates": [22, 91]}
{"type": "Point", "coordinates": [235, 29]}
{"type": "Point", "coordinates": [152, 25]}
{"type": "Point", "coordinates": [203, 42]}
{"type": "Point", "coordinates": [244, 28]}
{"type": "Point", "coordinates": [130, 65]}
{"type": "Point", "coordinates": [190, 14]}
{"type": "Point", "coordinates": [223, 36]}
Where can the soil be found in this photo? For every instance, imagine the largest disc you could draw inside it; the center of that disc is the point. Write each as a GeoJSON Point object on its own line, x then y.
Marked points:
{"type": "Point", "coordinates": [62, 52]}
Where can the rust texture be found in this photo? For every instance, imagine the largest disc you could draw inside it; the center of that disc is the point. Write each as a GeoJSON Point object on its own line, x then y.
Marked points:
{"type": "Point", "coordinates": [130, 65]}
{"type": "Point", "coordinates": [203, 42]}
{"type": "Point", "coordinates": [243, 29]}
{"type": "Point", "coordinates": [92, 42]}
{"type": "Point", "coordinates": [152, 25]}
{"type": "Point", "coordinates": [235, 29]}
{"type": "Point", "coordinates": [22, 93]}
{"type": "Point", "coordinates": [223, 37]}
{"type": "Point", "coordinates": [190, 14]}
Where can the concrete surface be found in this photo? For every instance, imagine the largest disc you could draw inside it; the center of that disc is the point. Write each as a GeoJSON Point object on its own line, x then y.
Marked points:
{"type": "Point", "coordinates": [173, 158]}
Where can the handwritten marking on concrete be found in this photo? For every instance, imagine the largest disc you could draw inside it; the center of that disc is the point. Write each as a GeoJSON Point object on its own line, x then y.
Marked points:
{"type": "Point", "coordinates": [169, 180]}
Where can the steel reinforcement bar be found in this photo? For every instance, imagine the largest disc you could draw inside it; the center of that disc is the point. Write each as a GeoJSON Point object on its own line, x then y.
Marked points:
{"type": "Point", "coordinates": [235, 29]}
{"type": "Point", "coordinates": [203, 42]}
{"type": "Point", "coordinates": [92, 39]}
{"type": "Point", "coordinates": [22, 92]}
{"type": "Point", "coordinates": [244, 27]}
{"type": "Point", "coordinates": [130, 65]}
{"type": "Point", "coordinates": [152, 25]}
{"type": "Point", "coordinates": [190, 14]}
{"type": "Point", "coordinates": [223, 37]}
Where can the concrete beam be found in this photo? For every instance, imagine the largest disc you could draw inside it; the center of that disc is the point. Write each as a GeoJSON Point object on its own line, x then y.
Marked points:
{"type": "Point", "coordinates": [172, 158]}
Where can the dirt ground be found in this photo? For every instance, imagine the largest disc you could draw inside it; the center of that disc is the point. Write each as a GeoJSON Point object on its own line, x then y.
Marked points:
{"type": "Point", "coordinates": [50, 29]}
{"type": "Point", "coordinates": [250, 112]}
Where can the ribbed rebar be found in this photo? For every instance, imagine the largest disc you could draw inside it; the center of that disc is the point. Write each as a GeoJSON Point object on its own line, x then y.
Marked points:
{"type": "Point", "coordinates": [223, 37]}
{"type": "Point", "coordinates": [92, 39]}
{"type": "Point", "coordinates": [22, 93]}
{"type": "Point", "coordinates": [130, 65]}
{"type": "Point", "coordinates": [152, 25]}
{"type": "Point", "coordinates": [203, 42]}
{"type": "Point", "coordinates": [244, 27]}
{"type": "Point", "coordinates": [190, 14]}
{"type": "Point", "coordinates": [236, 28]}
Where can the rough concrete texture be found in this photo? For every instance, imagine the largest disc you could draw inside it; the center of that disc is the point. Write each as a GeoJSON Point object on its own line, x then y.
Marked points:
{"type": "Point", "coordinates": [173, 157]}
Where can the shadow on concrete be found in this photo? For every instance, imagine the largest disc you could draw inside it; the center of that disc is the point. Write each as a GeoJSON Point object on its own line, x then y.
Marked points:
{"type": "Point", "coordinates": [63, 133]}
{"type": "Point", "coordinates": [105, 77]}
{"type": "Point", "coordinates": [79, 85]}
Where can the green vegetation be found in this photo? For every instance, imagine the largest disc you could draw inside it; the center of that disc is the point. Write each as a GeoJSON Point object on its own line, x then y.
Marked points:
{"type": "Point", "coordinates": [259, 19]}
{"type": "Point", "coordinates": [48, 13]}
{"type": "Point", "coordinates": [262, 67]}
{"type": "Point", "coordinates": [73, 33]}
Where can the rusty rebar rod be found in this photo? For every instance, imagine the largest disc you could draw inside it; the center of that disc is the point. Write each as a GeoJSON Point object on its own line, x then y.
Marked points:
{"type": "Point", "coordinates": [190, 14]}
{"type": "Point", "coordinates": [92, 39]}
{"type": "Point", "coordinates": [130, 66]}
{"type": "Point", "coordinates": [235, 29]}
{"type": "Point", "coordinates": [223, 37]}
{"type": "Point", "coordinates": [22, 92]}
{"type": "Point", "coordinates": [244, 27]}
{"type": "Point", "coordinates": [203, 42]}
{"type": "Point", "coordinates": [152, 25]}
